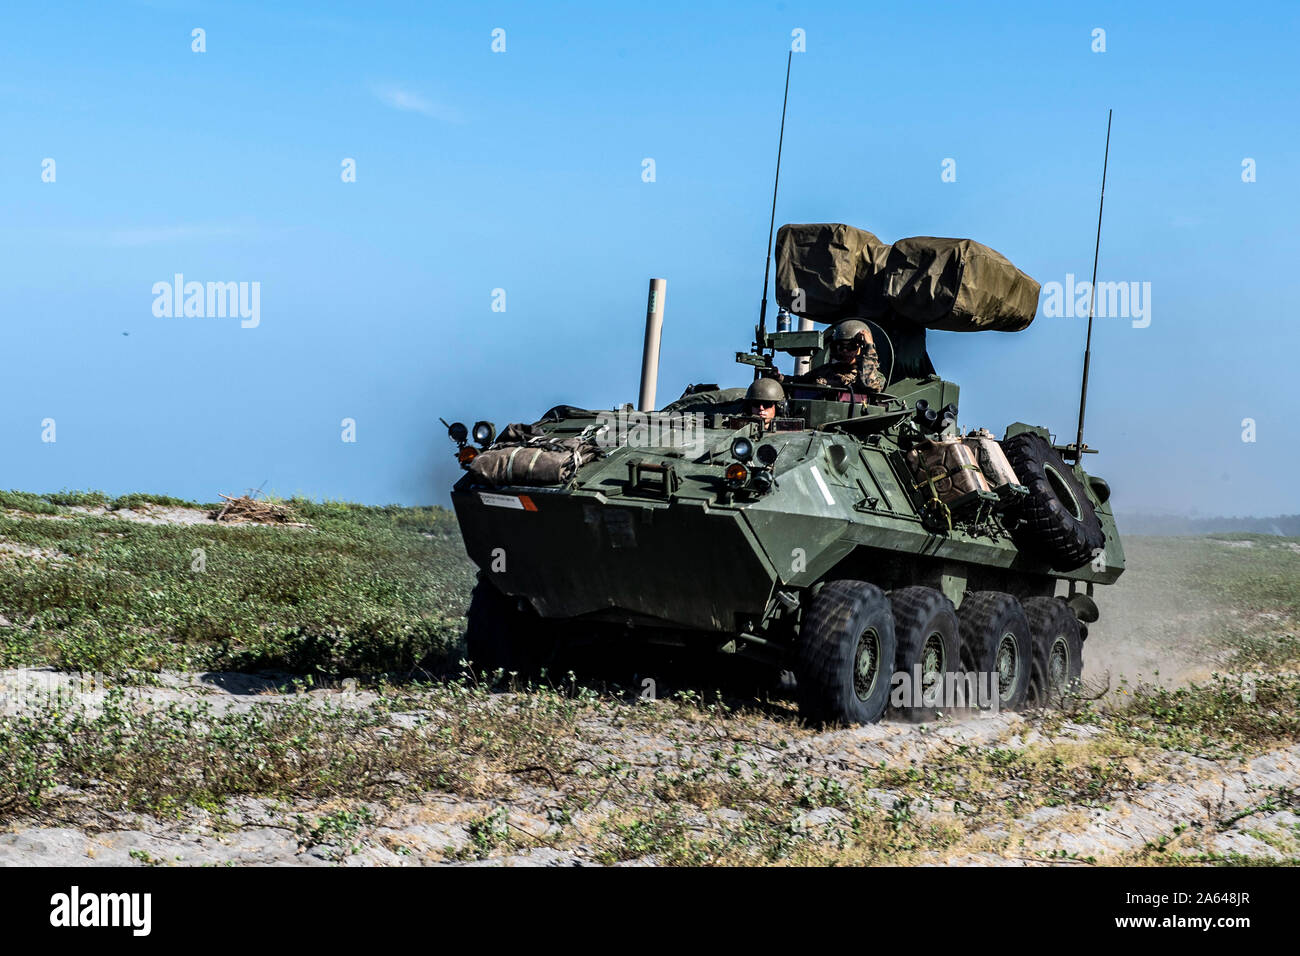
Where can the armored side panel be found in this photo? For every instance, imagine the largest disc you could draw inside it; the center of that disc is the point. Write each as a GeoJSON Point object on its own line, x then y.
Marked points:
{"type": "Point", "coordinates": [654, 536]}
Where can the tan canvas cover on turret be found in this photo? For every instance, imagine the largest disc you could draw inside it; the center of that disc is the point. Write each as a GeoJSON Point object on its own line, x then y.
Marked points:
{"type": "Point", "coordinates": [958, 285]}
{"type": "Point", "coordinates": [830, 271]}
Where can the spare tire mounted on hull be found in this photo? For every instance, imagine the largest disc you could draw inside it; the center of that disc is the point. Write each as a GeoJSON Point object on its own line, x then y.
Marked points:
{"type": "Point", "coordinates": [1058, 521]}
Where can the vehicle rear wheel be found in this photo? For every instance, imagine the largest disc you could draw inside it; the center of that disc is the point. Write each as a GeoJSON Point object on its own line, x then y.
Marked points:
{"type": "Point", "coordinates": [846, 654]}
{"type": "Point", "coordinates": [928, 638]}
{"type": "Point", "coordinates": [997, 640]}
{"type": "Point", "coordinates": [1058, 651]}
{"type": "Point", "coordinates": [1058, 522]}
{"type": "Point", "coordinates": [501, 637]}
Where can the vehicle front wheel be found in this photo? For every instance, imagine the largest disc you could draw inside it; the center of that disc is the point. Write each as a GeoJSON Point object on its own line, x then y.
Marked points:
{"type": "Point", "coordinates": [846, 654]}
{"type": "Point", "coordinates": [499, 636]}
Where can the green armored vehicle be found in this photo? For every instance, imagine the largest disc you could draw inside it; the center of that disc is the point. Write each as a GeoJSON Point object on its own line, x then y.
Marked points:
{"type": "Point", "coordinates": [855, 537]}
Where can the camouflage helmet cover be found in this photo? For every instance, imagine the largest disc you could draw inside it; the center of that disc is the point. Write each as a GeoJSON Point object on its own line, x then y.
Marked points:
{"type": "Point", "coordinates": [765, 390]}
{"type": "Point", "coordinates": [852, 329]}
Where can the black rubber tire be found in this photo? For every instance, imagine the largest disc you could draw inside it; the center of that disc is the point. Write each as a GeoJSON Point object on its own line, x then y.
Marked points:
{"type": "Point", "coordinates": [921, 613]}
{"type": "Point", "coordinates": [501, 637]}
{"type": "Point", "coordinates": [1052, 621]}
{"type": "Point", "coordinates": [1057, 520]}
{"type": "Point", "coordinates": [986, 618]}
{"type": "Point", "coordinates": [841, 615]}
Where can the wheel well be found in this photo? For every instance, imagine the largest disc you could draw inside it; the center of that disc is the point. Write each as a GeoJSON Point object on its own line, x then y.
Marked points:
{"type": "Point", "coordinates": [889, 570]}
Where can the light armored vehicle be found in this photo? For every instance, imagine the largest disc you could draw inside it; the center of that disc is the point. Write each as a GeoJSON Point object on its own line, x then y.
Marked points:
{"type": "Point", "coordinates": [861, 540]}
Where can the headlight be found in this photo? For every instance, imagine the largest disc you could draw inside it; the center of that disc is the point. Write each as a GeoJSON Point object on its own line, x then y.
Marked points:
{"type": "Point", "coordinates": [458, 432]}
{"type": "Point", "coordinates": [484, 432]}
{"type": "Point", "coordinates": [742, 449]}
{"type": "Point", "coordinates": [737, 475]}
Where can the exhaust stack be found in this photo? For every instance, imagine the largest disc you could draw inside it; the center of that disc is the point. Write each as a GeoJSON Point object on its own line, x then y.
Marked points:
{"type": "Point", "coordinates": [803, 364]}
{"type": "Point", "coordinates": [654, 325]}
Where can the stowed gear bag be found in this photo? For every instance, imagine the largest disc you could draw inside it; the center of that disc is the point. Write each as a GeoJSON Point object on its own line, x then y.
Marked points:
{"type": "Point", "coordinates": [946, 471]}
{"type": "Point", "coordinates": [525, 455]}
{"type": "Point", "coordinates": [992, 459]}
{"type": "Point", "coordinates": [946, 468]}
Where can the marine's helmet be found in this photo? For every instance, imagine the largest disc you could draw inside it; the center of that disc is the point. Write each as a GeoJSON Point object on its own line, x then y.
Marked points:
{"type": "Point", "coordinates": [850, 330]}
{"type": "Point", "coordinates": [765, 390]}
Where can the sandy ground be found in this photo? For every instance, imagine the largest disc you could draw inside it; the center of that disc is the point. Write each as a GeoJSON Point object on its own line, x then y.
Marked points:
{"type": "Point", "coordinates": [428, 830]}
{"type": "Point", "coordinates": [1154, 626]}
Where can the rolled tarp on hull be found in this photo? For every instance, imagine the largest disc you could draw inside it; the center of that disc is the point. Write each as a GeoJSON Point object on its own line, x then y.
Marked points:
{"type": "Point", "coordinates": [830, 271]}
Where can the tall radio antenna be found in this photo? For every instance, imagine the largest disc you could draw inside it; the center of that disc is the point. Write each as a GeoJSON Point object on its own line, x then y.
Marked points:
{"type": "Point", "coordinates": [760, 333]}
{"type": "Point", "coordinates": [1092, 298]}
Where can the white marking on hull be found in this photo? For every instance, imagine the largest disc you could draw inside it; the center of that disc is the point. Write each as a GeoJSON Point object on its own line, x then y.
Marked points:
{"type": "Point", "coordinates": [821, 483]}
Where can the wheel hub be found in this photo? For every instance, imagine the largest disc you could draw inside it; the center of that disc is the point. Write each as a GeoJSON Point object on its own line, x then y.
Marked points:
{"type": "Point", "coordinates": [1058, 667]}
{"type": "Point", "coordinates": [866, 665]}
{"type": "Point", "coordinates": [1007, 663]}
{"type": "Point", "coordinates": [933, 665]}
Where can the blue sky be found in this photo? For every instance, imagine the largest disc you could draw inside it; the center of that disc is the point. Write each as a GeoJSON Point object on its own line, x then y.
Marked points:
{"type": "Point", "coordinates": [522, 171]}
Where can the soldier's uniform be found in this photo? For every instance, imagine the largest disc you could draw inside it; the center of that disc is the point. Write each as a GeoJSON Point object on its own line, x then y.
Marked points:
{"type": "Point", "coordinates": [845, 374]}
